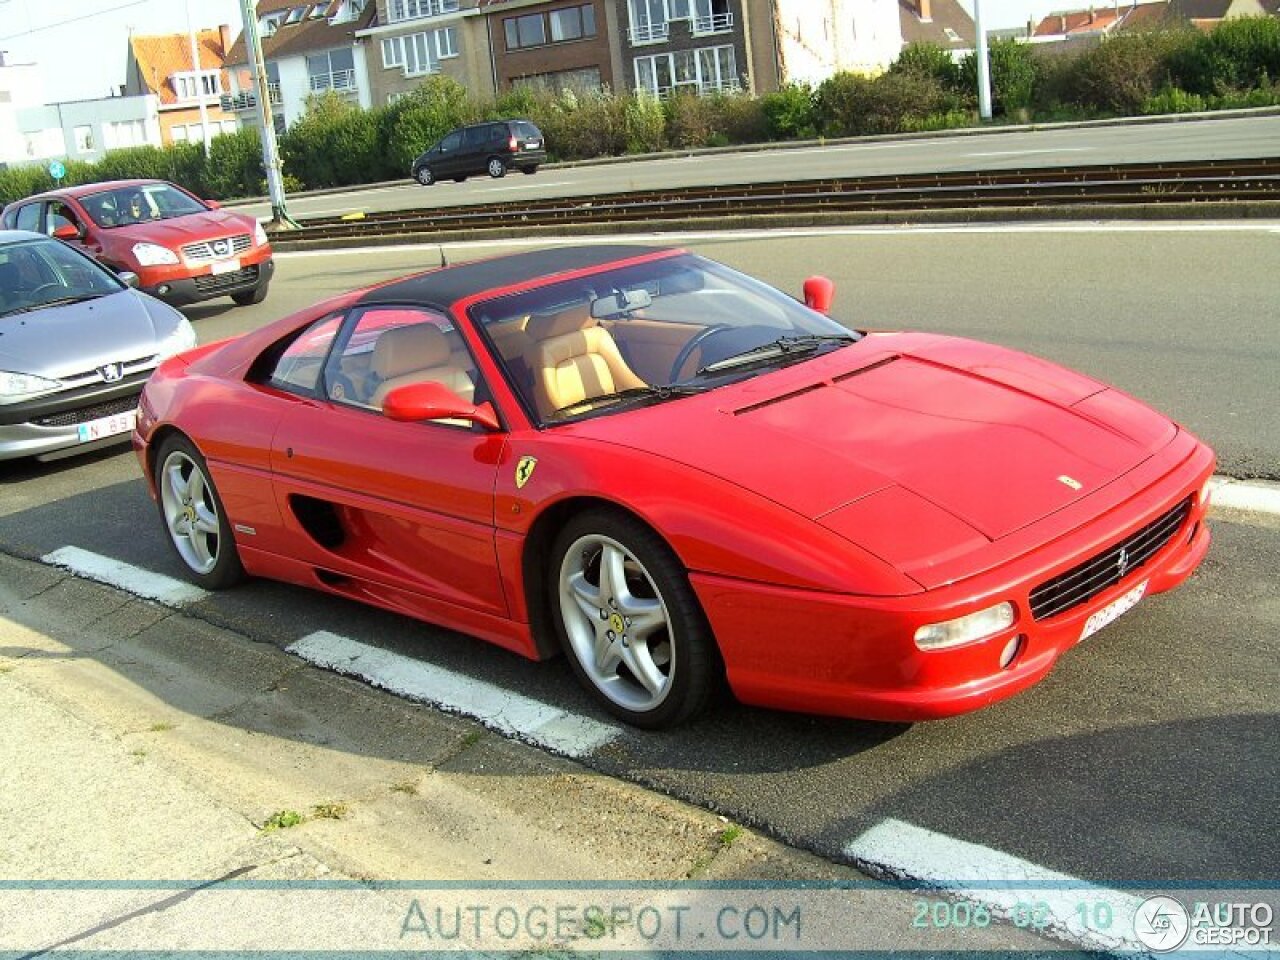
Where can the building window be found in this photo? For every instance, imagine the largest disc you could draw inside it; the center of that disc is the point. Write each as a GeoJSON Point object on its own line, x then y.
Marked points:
{"type": "Point", "coordinates": [420, 53]}
{"type": "Point", "coordinates": [651, 19]}
{"type": "Point", "coordinates": [586, 80]}
{"type": "Point", "coordinates": [558, 26]}
{"type": "Point", "coordinates": [398, 10]}
{"type": "Point", "coordinates": [332, 70]}
{"type": "Point", "coordinates": [84, 139]}
{"type": "Point", "coordinates": [191, 85]}
{"type": "Point", "coordinates": [708, 70]}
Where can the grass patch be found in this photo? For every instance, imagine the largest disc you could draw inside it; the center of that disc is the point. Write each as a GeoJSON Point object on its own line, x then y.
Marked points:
{"type": "Point", "coordinates": [331, 810]}
{"type": "Point", "coordinates": [729, 835]}
{"type": "Point", "coordinates": [471, 739]}
{"type": "Point", "coordinates": [282, 820]}
{"type": "Point", "coordinates": [161, 727]}
{"type": "Point", "coordinates": [409, 787]}
{"type": "Point", "coordinates": [138, 753]}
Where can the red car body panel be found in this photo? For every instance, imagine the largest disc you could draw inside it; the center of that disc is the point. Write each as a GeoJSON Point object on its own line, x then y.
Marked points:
{"type": "Point", "coordinates": [173, 283]}
{"type": "Point", "coordinates": [829, 508]}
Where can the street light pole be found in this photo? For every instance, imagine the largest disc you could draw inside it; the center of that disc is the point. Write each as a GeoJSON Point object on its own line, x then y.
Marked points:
{"type": "Point", "coordinates": [984, 64]}
{"type": "Point", "coordinates": [280, 219]}
{"type": "Point", "coordinates": [199, 81]}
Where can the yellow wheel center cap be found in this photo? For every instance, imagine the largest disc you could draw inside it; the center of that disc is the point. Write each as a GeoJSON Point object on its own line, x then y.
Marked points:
{"type": "Point", "coordinates": [617, 623]}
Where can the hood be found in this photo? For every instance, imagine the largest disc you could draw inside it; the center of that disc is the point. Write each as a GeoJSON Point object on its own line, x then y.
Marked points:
{"type": "Point", "coordinates": [989, 439]}
{"type": "Point", "coordinates": [176, 231]}
{"type": "Point", "coordinates": [59, 342]}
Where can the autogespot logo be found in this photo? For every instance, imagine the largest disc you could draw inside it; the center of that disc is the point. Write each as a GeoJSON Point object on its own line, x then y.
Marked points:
{"type": "Point", "coordinates": [1161, 923]}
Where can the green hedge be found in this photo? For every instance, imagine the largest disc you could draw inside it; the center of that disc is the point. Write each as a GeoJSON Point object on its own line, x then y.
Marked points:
{"type": "Point", "coordinates": [1237, 64]}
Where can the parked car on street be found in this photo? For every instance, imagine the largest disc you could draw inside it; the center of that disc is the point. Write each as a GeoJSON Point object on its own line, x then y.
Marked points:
{"type": "Point", "coordinates": [679, 476]}
{"type": "Point", "coordinates": [76, 345]}
{"type": "Point", "coordinates": [182, 249]}
{"type": "Point", "coordinates": [491, 148]}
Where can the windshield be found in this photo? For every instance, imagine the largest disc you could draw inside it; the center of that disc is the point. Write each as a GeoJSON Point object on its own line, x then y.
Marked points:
{"type": "Point", "coordinates": [123, 206]}
{"type": "Point", "coordinates": [647, 333]}
{"type": "Point", "coordinates": [45, 273]}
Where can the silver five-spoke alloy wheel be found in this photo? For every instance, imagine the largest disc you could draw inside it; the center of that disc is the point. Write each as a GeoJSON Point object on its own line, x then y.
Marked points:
{"type": "Point", "coordinates": [190, 512]}
{"type": "Point", "coordinates": [617, 623]}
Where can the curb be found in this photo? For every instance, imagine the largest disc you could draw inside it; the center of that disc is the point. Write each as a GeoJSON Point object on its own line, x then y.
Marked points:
{"type": "Point", "coordinates": [1245, 496]}
{"type": "Point", "coordinates": [772, 145]}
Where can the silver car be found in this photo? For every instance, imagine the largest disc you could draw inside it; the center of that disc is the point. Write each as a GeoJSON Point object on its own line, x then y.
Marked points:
{"type": "Point", "coordinates": [76, 345]}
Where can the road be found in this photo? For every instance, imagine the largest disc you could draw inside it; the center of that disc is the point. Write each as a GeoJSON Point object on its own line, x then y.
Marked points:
{"type": "Point", "coordinates": [1200, 140]}
{"type": "Point", "coordinates": [1143, 758]}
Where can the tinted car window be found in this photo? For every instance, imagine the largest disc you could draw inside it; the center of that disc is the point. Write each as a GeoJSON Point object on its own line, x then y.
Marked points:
{"type": "Point", "coordinates": [28, 218]}
{"type": "Point", "coordinates": [451, 141]}
{"type": "Point", "coordinates": [475, 136]}
{"type": "Point", "coordinates": [526, 131]}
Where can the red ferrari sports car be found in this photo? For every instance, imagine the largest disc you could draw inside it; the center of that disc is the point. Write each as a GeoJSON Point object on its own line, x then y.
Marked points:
{"type": "Point", "coordinates": [679, 476]}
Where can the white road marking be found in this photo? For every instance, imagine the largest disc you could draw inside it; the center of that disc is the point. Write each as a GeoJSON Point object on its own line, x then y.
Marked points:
{"type": "Point", "coordinates": [905, 851]}
{"type": "Point", "coordinates": [131, 579]}
{"type": "Point", "coordinates": [499, 709]}
{"type": "Point", "coordinates": [1252, 496]}
{"type": "Point", "coordinates": [536, 184]}
{"type": "Point", "coordinates": [1027, 153]}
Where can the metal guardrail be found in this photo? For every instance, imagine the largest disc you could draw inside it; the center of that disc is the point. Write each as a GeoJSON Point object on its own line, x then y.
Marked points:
{"type": "Point", "coordinates": [1213, 182]}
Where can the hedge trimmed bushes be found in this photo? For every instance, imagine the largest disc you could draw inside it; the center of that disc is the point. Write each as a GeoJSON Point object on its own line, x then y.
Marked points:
{"type": "Point", "coordinates": [1237, 64]}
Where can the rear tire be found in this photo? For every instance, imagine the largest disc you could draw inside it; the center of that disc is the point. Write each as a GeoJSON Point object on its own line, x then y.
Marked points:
{"type": "Point", "coordinates": [461, 179]}
{"type": "Point", "coordinates": [193, 516]}
{"type": "Point", "coordinates": [629, 621]}
{"type": "Point", "coordinates": [497, 168]}
{"type": "Point", "coordinates": [530, 171]}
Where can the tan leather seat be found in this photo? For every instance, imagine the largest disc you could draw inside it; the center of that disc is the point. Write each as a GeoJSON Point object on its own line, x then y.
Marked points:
{"type": "Point", "coordinates": [416, 354]}
{"type": "Point", "coordinates": [574, 359]}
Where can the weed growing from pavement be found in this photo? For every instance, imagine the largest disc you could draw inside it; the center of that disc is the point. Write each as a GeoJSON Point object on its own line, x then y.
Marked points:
{"type": "Point", "coordinates": [471, 739]}
{"type": "Point", "coordinates": [138, 754]}
{"type": "Point", "coordinates": [282, 820]}
{"type": "Point", "coordinates": [405, 786]}
{"type": "Point", "coordinates": [331, 810]}
{"type": "Point", "coordinates": [161, 727]}
{"type": "Point", "coordinates": [728, 835]}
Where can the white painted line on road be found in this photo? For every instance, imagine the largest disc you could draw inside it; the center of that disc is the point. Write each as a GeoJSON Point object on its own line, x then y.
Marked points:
{"type": "Point", "coordinates": [533, 185]}
{"type": "Point", "coordinates": [131, 579]}
{"type": "Point", "coordinates": [888, 230]}
{"type": "Point", "coordinates": [1252, 496]}
{"type": "Point", "coordinates": [1027, 153]}
{"type": "Point", "coordinates": [510, 713]}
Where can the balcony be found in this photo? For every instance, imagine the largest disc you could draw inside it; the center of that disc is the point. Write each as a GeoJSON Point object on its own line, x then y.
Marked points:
{"type": "Point", "coordinates": [247, 100]}
{"type": "Point", "coordinates": [649, 33]}
{"type": "Point", "coordinates": [342, 81]}
{"type": "Point", "coordinates": [715, 23]}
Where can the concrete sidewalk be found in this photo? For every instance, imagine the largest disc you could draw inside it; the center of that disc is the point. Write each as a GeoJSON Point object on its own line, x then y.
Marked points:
{"type": "Point", "coordinates": [144, 745]}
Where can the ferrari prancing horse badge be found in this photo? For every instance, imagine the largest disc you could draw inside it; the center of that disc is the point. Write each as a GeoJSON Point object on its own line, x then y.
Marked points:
{"type": "Point", "coordinates": [524, 470]}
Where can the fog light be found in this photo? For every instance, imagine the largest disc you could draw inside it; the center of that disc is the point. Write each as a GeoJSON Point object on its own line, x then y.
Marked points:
{"type": "Point", "coordinates": [967, 629]}
{"type": "Point", "coordinates": [1012, 650]}
{"type": "Point", "coordinates": [162, 289]}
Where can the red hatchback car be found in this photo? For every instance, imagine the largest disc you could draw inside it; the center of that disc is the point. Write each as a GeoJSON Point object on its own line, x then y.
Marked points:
{"type": "Point", "coordinates": [183, 249]}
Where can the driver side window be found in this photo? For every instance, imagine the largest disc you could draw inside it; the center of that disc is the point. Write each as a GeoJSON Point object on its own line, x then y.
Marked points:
{"type": "Point", "coordinates": [450, 143]}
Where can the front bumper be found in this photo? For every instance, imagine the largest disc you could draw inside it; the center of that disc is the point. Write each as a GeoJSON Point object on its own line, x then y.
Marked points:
{"type": "Point", "coordinates": [856, 657]}
{"type": "Point", "coordinates": [176, 287]}
{"type": "Point", "coordinates": [50, 427]}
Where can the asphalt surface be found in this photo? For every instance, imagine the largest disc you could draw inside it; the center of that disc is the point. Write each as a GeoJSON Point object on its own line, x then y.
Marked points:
{"type": "Point", "coordinates": [1145, 757]}
{"type": "Point", "coordinates": [1216, 139]}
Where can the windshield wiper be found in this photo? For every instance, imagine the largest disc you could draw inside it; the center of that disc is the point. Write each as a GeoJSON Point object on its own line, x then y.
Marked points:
{"type": "Point", "coordinates": [63, 301]}
{"type": "Point", "coordinates": [631, 393]}
{"type": "Point", "coordinates": [801, 345]}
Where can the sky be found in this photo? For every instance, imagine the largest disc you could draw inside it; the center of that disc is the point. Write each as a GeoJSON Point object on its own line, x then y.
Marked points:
{"type": "Point", "coordinates": [81, 45]}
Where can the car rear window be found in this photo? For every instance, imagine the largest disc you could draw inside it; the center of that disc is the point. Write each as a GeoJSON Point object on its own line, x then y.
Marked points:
{"type": "Point", "coordinates": [526, 131]}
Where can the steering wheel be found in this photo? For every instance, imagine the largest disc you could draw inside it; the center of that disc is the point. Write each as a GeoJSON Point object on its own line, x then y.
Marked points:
{"type": "Point", "coordinates": [694, 342]}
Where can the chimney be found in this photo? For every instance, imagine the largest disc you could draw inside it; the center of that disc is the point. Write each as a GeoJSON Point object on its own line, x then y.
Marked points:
{"type": "Point", "coordinates": [926, 10]}
{"type": "Point", "coordinates": [225, 37]}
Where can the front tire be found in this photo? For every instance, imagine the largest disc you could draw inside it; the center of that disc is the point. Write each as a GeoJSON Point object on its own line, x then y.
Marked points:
{"type": "Point", "coordinates": [497, 168]}
{"type": "Point", "coordinates": [193, 516]}
{"type": "Point", "coordinates": [246, 298]}
{"type": "Point", "coordinates": [424, 176]}
{"type": "Point", "coordinates": [633, 630]}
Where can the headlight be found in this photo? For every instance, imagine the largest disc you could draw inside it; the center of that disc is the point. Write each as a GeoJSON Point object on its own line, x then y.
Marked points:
{"type": "Point", "coordinates": [19, 386]}
{"type": "Point", "coordinates": [975, 626]}
{"type": "Point", "coordinates": [153, 255]}
{"type": "Point", "coordinates": [182, 338]}
{"type": "Point", "coordinates": [259, 234]}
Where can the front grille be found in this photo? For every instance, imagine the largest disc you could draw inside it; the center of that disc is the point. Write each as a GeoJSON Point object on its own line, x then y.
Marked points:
{"type": "Point", "coordinates": [108, 408]}
{"type": "Point", "coordinates": [220, 282]}
{"type": "Point", "coordinates": [1082, 583]}
{"type": "Point", "coordinates": [203, 250]}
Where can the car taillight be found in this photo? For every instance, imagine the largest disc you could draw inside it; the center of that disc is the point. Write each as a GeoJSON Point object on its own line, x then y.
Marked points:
{"type": "Point", "coordinates": [513, 144]}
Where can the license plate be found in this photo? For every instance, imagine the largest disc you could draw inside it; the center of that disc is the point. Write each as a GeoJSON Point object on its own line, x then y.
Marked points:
{"type": "Point", "coordinates": [1113, 610]}
{"type": "Point", "coordinates": [532, 144]}
{"type": "Point", "coordinates": [225, 266]}
{"type": "Point", "coordinates": [107, 426]}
